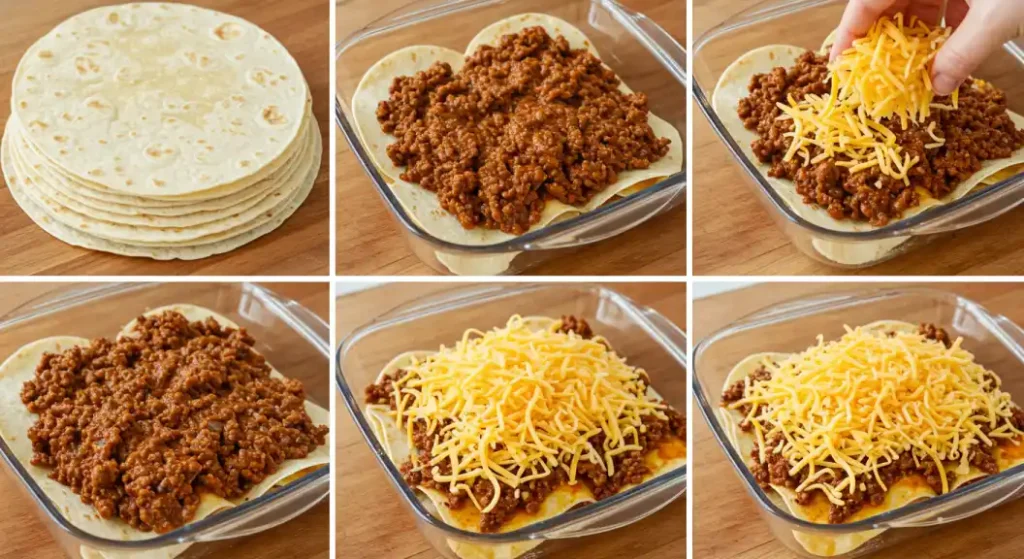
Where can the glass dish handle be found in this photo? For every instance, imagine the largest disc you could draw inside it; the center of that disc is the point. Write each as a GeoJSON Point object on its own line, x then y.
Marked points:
{"type": "Point", "coordinates": [658, 42]}
{"type": "Point", "coordinates": [1011, 329]}
{"type": "Point", "coordinates": [669, 330]}
{"type": "Point", "coordinates": [299, 317]}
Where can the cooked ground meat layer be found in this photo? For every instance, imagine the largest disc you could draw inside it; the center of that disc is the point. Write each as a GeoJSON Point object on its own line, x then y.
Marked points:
{"type": "Point", "coordinates": [981, 129]}
{"type": "Point", "coordinates": [140, 427]}
{"type": "Point", "coordinates": [775, 470]}
{"type": "Point", "coordinates": [629, 466]}
{"type": "Point", "coordinates": [522, 123]}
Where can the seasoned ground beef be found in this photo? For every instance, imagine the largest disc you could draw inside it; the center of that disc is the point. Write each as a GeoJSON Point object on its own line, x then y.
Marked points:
{"type": "Point", "coordinates": [578, 325]}
{"type": "Point", "coordinates": [630, 467]}
{"type": "Point", "coordinates": [775, 469]}
{"type": "Point", "coordinates": [979, 130]}
{"type": "Point", "coordinates": [522, 123]}
{"type": "Point", "coordinates": [142, 426]}
{"type": "Point", "coordinates": [735, 393]}
{"type": "Point", "coordinates": [933, 332]}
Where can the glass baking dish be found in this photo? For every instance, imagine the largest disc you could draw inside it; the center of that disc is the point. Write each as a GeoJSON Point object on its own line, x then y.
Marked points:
{"type": "Point", "coordinates": [643, 335]}
{"type": "Point", "coordinates": [996, 341]}
{"type": "Point", "coordinates": [290, 336]}
{"type": "Point", "coordinates": [637, 49]}
{"type": "Point", "coordinates": [806, 23]}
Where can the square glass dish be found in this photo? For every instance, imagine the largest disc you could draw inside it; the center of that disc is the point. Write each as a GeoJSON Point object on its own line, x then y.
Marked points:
{"type": "Point", "coordinates": [995, 340]}
{"type": "Point", "coordinates": [637, 49]}
{"type": "Point", "coordinates": [645, 337]}
{"type": "Point", "coordinates": [290, 336]}
{"type": "Point", "coordinates": [806, 23]}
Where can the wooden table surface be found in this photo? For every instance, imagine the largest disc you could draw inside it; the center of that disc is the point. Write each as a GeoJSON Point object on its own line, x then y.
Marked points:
{"type": "Point", "coordinates": [726, 523]}
{"type": "Point", "coordinates": [301, 246]}
{"type": "Point", "coordinates": [369, 242]}
{"type": "Point", "coordinates": [373, 523]}
{"type": "Point", "coordinates": [733, 233]}
{"type": "Point", "coordinates": [23, 534]}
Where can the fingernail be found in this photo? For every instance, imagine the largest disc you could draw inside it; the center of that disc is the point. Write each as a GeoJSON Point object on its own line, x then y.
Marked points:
{"type": "Point", "coordinates": [944, 84]}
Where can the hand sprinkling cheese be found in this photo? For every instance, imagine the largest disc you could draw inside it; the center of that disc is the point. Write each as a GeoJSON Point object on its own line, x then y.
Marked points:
{"type": "Point", "coordinates": [982, 27]}
{"type": "Point", "coordinates": [883, 76]}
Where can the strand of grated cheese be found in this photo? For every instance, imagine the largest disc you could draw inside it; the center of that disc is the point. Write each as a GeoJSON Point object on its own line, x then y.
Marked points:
{"type": "Point", "coordinates": [885, 74]}
{"type": "Point", "coordinates": [521, 403]}
{"type": "Point", "coordinates": [852, 406]}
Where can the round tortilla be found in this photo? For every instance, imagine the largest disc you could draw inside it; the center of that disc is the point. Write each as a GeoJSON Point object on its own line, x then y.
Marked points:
{"type": "Point", "coordinates": [230, 98]}
{"type": "Point", "coordinates": [733, 86]}
{"type": "Point", "coordinates": [41, 187]}
{"type": "Point", "coordinates": [187, 246]}
{"type": "Point", "coordinates": [111, 202]}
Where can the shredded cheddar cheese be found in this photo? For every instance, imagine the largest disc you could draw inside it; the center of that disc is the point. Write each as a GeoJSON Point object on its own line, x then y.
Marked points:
{"type": "Point", "coordinates": [884, 75]}
{"type": "Point", "coordinates": [849, 407]}
{"type": "Point", "coordinates": [512, 404]}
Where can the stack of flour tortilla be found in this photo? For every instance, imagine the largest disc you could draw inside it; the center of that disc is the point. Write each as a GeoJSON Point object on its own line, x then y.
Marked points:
{"type": "Point", "coordinates": [159, 130]}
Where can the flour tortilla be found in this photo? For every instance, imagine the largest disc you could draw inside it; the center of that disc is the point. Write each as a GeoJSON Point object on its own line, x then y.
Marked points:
{"type": "Point", "coordinates": [15, 420]}
{"type": "Point", "coordinates": [198, 248]}
{"type": "Point", "coordinates": [167, 231]}
{"type": "Point", "coordinates": [560, 501]}
{"type": "Point", "coordinates": [422, 205]}
{"type": "Point", "coordinates": [125, 205]}
{"type": "Point", "coordinates": [131, 97]}
{"type": "Point", "coordinates": [732, 87]}
{"type": "Point", "coordinates": [905, 492]}
{"type": "Point", "coordinates": [41, 186]}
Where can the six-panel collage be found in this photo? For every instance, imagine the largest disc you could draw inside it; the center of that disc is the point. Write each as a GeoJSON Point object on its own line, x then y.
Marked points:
{"type": "Point", "coordinates": [511, 279]}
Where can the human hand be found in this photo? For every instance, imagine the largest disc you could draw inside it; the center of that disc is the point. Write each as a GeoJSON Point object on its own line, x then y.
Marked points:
{"type": "Point", "coordinates": [980, 27]}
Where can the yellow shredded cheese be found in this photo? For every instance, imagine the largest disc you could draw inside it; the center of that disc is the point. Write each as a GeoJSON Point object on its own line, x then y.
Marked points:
{"type": "Point", "coordinates": [519, 403]}
{"type": "Point", "coordinates": [846, 408]}
{"type": "Point", "coordinates": [883, 75]}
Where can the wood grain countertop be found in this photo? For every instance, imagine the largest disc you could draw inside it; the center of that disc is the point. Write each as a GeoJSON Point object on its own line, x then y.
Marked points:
{"type": "Point", "coordinates": [372, 521]}
{"type": "Point", "coordinates": [727, 523]}
{"type": "Point", "coordinates": [301, 246]}
{"type": "Point", "coordinates": [24, 534]}
{"type": "Point", "coordinates": [734, 234]}
{"type": "Point", "coordinates": [370, 242]}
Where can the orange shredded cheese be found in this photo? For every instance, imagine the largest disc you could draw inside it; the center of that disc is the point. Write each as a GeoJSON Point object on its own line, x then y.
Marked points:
{"type": "Point", "coordinates": [519, 403]}
{"type": "Point", "coordinates": [852, 406]}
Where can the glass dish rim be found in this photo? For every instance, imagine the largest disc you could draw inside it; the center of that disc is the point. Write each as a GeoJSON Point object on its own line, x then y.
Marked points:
{"type": "Point", "coordinates": [903, 227]}
{"type": "Point", "coordinates": [757, 319]}
{"type": "Point", "coordinates": [532, 531]}
{"type": "Point", "coordinates": [674, 185]}
{"type": "Point", "coordinates": [189, 533]}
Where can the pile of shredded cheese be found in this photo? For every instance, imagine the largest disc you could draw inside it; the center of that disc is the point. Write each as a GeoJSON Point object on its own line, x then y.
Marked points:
{"type": "Point", "coordinates": [884, 75]}
{"type": "Point", "coordinates": [849, 407]}
{"type": "Point", "coordinates": [521, 403]}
